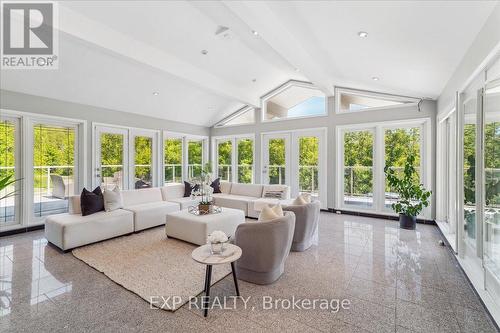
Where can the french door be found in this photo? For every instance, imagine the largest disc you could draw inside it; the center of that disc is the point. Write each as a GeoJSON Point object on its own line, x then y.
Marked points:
{"type": "Point", "coordinates": [276, 159]}
{"type": "Point", "coordinates": [297, 159]}
{"type": "Point", "coordinates": [111, 167]}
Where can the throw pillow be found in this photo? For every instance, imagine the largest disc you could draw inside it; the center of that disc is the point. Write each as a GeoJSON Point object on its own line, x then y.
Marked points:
{"type": "Point", "coordinates": [278, 210]}
{"type": "Point", "coordinates": [267, 214]}
{"type": "Point", "coordinates": [113, 199]}
{"type": "Point", "coordinates": [299, 201]}
{"type": "Point", "coordinates": [188, 188]}
{"type": "Point", "coordinates": [216, 186]}
{"type": "Point", "coordinates": [307, 197]}
{"type": "Point", "coordinates": [274, 194]}
{"type": "Point", "coordinates": [91, 202]}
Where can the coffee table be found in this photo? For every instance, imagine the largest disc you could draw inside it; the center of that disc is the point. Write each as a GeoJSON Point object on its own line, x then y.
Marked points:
{"type": "Point", "coordinates": [195, 228]}
{"type": "Point", "coordinates": [204, 256]}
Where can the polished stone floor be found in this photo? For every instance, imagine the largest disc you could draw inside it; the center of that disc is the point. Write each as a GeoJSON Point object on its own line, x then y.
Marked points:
{"type": "Point", "coordinates": [394, 280]}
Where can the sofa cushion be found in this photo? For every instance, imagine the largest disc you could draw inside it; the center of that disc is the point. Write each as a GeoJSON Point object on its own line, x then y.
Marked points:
{"type": "Point", "coordinates": [186, 202]}
{"type": "Point", "coordinates": [172, 191]}
{"type": "Point", "coordinates": [91, 202]}
{"type": "Point", "coordinates": [189, 188]}
{"type": "Point", "coordinates": [151, 214]}
{"type": "Point", "coordinates": [137, 197]}
{"type": "Point", "coordinates": [225, 187]}
{"type": "Point", "coordinates": [74, 205]}
{"type": "Point", "coordinates": [233, 201]}
{"type": "Point", "coordinates": [249, 190]}
{"type": "Point", "coordinates": [216, 186]}
{"type": "Point", "coordinates": [68, 231]}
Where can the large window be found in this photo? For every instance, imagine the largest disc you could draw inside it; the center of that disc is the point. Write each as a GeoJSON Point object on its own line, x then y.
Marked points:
{"type": "Point", "coordinates": [235, 159]}
{"type": "Point", "coordinates": [367, 149]}
{"type": "Point", "coordinates": [399, 144]}
{"type": "Point", "coordinates": [309, 165]}
{"type": "Point", "coordinates": [352, 100]}
{"type": "Point", "coordinates": [173, 153]}
{"type": "Point", "coordinates": [358, 168]}
{"type": "Point", "coordinates": [469, 171]}
{"type": "Point", "coordinates": [293, 100]}
{"type": "Point", "coordinates": [53, 168]}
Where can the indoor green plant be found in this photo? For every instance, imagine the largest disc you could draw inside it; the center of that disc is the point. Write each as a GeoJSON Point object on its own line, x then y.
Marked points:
{"type": "Point", "coordinates": [413, 196]}
{"type": "Point", "coordinates": [4, 182]}
{"type": "Point", "coordinates": [205, 190]}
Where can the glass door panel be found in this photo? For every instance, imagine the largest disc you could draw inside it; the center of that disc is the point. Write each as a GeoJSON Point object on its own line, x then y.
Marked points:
{"type": "Point", "coordinates": [9, 197]}
{"type": "Point", "coordinates": [245, 160]}
{"type": "Point", "coordinates": [111, 161]}
{"type": "Point", "coordinates": [276, 163]}
{"type": "Point", "coordinates": [358, 168]}
{"type": "Point", "coordinates": [53, 168]}
{"type": "Point", "coordinates": [195, 158]}
{"type": "Point", "coordinates": [491, 176]}
{"type": "Point", "coordinates": [224, 160]}
{"type": "Point", "coordinates": [309, 165]}
{"type": "Point", "coordinates": [399, 144]}
{"type": "Point", "coordinates": [469, 169]}
{"type": "Point", "coordinates": [173, 160]}
{"type": "Point", "coordinates": [143, 162]}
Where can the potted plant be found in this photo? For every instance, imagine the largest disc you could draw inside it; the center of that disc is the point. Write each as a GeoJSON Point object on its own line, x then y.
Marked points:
{"type": "Point", "coordinates": [5, 181]}
{"type": "Point", "coordinates": [205, 190]}
{"type": "Point", "coordinates": [413, 197]}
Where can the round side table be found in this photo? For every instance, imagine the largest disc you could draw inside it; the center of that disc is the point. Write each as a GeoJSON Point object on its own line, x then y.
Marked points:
{"type": "Point", "coordinates": [204, 256]}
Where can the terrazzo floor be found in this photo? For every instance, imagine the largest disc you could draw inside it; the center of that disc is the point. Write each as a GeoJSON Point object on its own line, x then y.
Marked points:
{"type": "Point", "coordinates": [393, 280]}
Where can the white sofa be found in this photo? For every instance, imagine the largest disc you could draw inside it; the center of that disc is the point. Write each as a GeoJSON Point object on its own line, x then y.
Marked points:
{"type": "Point", "coordinates": [146, 208]}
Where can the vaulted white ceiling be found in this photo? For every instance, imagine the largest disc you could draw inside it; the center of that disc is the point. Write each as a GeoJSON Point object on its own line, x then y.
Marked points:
{"type": "Point", "coordinates": [115, 54]}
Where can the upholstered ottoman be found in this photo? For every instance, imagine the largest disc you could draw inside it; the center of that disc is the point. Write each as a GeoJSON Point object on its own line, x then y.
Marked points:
{"type": "Point", "coordinates": [195, 228]}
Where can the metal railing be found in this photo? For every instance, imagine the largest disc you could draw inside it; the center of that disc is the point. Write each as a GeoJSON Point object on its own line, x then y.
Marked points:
{"type": "Point", "coordinates": [175, 174]}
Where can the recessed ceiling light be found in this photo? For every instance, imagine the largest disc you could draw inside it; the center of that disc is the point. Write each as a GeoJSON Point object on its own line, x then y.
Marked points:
{"type": "Point", "coordinates": [255, 32]}
{"type": "Point", "coordinates": [254, 80]}
{"type": "Point", "coordinates": [363, 34]}
{"type": "Point", "coordinates": [297, 70]}
{"type": "Point", "coordinates": [375, 78]}
{"type": "Point", "coordinates": [155, 93]}
{"type": "Point", "coordinates": [204, 52]}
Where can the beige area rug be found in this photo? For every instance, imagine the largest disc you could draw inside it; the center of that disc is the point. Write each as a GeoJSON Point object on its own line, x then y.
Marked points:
{"type": "Point", "coordinates": [159, 270]}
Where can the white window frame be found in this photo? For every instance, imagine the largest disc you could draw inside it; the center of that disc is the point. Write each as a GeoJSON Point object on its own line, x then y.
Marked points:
{"type": "Point", "coordinates": [153, 134]}
{"type": "Point", "coordinates": [234, 154]}
{"type": "Point", "coordinates": [239, 112]}
{"type": "Point", "coordinates": [379, 162]}
{"type": "Point", "coordinates": [280, 89]}
{"type": "Point", "coordinates": [339, 91]}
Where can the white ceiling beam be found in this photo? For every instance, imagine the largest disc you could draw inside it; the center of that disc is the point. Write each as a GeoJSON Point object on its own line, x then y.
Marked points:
{"type": "Point", "coordinates": [259, 16]}
{"type": "Point", "coordinates": [96, 33]}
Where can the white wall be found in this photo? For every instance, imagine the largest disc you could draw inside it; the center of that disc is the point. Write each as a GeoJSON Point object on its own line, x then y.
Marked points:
{"type": "Point", "coordinates": [428, 110]}
{"type": "Point", "coordinates": [46, 106]}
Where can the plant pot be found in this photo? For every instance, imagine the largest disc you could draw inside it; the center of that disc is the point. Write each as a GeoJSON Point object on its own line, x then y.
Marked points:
{"type": "Point", "coordinates": [205, 208]}
{"type": "Point", "coordinates": [407, 222]}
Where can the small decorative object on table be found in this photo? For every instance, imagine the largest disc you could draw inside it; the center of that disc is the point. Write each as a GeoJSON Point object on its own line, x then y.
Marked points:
{"type": "Point", "coordinates": [217, 240]}
{"type": "Point", "coordinates": [205, 191]}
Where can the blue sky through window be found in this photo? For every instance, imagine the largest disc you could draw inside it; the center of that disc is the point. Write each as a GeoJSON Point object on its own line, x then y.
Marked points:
{"type": "Point", "coordinates": [310, 107]}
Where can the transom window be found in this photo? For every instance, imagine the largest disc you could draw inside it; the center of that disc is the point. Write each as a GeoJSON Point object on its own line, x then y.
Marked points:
{"type": "Point", "coordinates": [294, 99]}
{"type": "Point", "coordinates": [352, 101]}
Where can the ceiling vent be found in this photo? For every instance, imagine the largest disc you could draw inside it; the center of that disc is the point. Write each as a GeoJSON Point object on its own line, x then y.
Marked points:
{"type": "Point", "coordinates": [223, 32]}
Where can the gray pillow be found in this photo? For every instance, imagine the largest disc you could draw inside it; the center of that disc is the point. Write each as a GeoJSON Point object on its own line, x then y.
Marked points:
{"type": "Point", "coordinates": [113, 199]}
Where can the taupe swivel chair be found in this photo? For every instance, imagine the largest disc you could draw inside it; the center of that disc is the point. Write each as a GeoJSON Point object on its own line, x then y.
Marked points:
{"type": "Point", "coordinates": [306, 224]}
{"type": "Point", "coordinates": [265, 246]}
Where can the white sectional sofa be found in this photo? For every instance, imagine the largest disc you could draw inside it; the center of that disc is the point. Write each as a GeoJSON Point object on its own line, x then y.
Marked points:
{"type": "Point", "coordinates": [147, 208]}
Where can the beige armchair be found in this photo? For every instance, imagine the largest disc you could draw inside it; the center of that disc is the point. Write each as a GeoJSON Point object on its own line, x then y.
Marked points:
{"type": "Point", "coordinates": [265, 246]}
{"type": "Point", "coordinates": [306, 224]}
